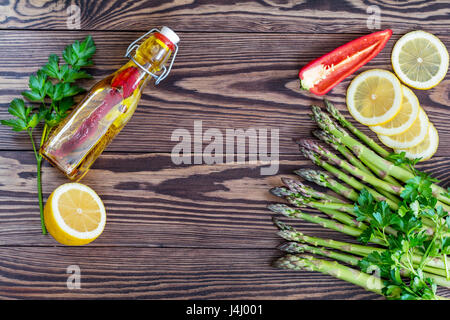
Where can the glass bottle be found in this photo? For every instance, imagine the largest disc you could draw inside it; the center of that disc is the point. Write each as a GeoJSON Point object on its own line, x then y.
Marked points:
{"type": "Point", "coordinates": [78, 141]}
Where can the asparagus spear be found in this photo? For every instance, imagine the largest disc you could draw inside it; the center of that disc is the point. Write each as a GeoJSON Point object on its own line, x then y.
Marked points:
{"type": "Point", "coordinates": [334, 143]}
{"type": "Point", "coordinates": [296, 248]}
{"type": "Point", "coordinates": [331, 141]}
{"type": "Point", "coordinates": [349, 226]}
{"type": "Point", "coordinates": [291, 234]}
{"type": "Point", "coordinates": [355, 183]}
{"type": "Point", "coordinates": [381, 151]}
{"type": "Point", "coordinates": [358, 173]}
{"type": "Point", "coordinates": [362, 152]}
{"type": "Point", "coordinates": [314, 157]}
{"type": "Point", "coordinates": [332, 213]}
{"type": "Point", "coordinates": [300, 201]}
{"type": "Point", "coordinates": [333, 268]}
{"type": "Point", "coordinates": [334, 210]}
{"type": "Point", "coordinates": [323, 179]}
{"type": "Point", "coordinates": [330, 224]}
{"type": "Point", "coordinates": [298, 187]}
{"type": "Point", "coordinates": [348, 125]}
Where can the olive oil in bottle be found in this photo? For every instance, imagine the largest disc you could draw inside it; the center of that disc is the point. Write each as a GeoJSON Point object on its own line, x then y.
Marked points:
{"type": "Point", "coordinates": [78, 141]}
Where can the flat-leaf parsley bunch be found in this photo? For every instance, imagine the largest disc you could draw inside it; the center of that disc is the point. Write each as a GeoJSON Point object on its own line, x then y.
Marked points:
{"type": "Point", "coordinates": [421, 234]}
{"type": "Point", "coordinates": [51, 94]}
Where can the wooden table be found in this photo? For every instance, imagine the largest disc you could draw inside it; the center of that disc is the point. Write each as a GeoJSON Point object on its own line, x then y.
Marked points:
{"type": "Point", "coordinates": [188, 231]}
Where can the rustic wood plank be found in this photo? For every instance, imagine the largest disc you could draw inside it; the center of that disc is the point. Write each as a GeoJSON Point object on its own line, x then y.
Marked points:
{"type": "Point", "coordinates": [239, 81]}
{"type": "Point", "coordinates": [155, 273]}
{"type": "Point", "coordinates": [305, 16]}
{"type": "Point", "coordinates": [152, 202]}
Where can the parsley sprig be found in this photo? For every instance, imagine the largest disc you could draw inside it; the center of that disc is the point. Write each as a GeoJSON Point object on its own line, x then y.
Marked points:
{"type": "Point", "coordinates": [51, 92]}
{"type": "Point", "coordinates": [411, 237]}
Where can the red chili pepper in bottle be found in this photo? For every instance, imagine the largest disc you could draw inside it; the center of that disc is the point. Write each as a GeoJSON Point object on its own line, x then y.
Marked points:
{"type": "Point", "coordinates": [321, 75]}
{"type": "Point", "coordinates": [127, 81]}
{"type": "Point", "coordinates": [122, 86]}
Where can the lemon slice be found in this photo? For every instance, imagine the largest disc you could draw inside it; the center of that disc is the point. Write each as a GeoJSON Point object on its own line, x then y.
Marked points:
{"type": "Point", "coordinates": [374, 97]}
{"type": "Point", "coordinates": [74, 214]}
{"type": "Point", "coordinates": [404, 119]}
{"type": "Point", "coordinates": [420, 59]}
{"type": "Point", "coordinates": [411, 137]}
{"type": "Point", "coordinates": [426, 149]}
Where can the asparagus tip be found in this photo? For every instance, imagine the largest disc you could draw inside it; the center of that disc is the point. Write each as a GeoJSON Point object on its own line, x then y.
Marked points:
{"type": "Point", "coordinates": [293, 262]}
{"type": "Point", "coordinates": [282, 226]}
{"type": "Point", "coordinates": [278, 208]}
{"type": "Point", "coordinates": [309, 154]}
{"type": "Point", "coordinates": [296, 186]}
{"type": "Point", "coordinates": [333, 110]}
{"type": "Point", "coordinates": [310, 145]}
{"type": "Point", "coordinates": [280, 192]}
{"type": "Point", "coordinates": [291, 247]}
{"type": "Point", "coordinates": [316, 176]}
{"type": "Point", "coordinates": [322, 119]}
{"type": "Point", "coordinates": [320, 134]}
{"type": "Point", "coordinates": [281, 263]}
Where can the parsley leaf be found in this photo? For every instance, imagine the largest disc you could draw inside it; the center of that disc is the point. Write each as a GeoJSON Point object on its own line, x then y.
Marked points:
{"type": "Point", "coordinates": [79, 55]}
{"type": "Point", "coordinates": [24, 119]}
{"type": "Point", "coordinates": [380, 262]}
{"type": "Point", "coordinates": [400, 159]}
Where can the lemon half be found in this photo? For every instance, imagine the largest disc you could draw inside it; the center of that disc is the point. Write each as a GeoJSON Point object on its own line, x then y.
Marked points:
{"type": "Point", "coordinates": [74, 214]}
{"type": "Point", "coordinates": [420, 59]}
{"type": "Point", "coordinates": [374, 97]}
{"type": "Point", "coordinates": [404, 119]}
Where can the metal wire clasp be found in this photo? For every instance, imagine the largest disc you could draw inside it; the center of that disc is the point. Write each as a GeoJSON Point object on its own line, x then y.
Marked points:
{"type": "Point", "coordinates": [135, 45]}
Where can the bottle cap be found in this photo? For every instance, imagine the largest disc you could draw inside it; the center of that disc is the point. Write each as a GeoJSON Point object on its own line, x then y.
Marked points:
{"type": "Point", "coordinates": [172, 36]}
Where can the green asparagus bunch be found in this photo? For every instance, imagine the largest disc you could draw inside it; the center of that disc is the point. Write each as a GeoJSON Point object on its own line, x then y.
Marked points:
{"type": "Point", "coordinates": [399, 214]}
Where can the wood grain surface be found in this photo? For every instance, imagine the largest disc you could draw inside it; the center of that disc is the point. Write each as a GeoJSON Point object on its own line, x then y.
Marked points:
{"type": "Point", "coordinates": [188, 231]}
{"type": "Point", "coordinates": [280, 16]}
{"type": "Point", "coordinates": [181, 273]}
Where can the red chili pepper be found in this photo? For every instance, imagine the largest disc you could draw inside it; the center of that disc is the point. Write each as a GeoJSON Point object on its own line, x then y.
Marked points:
{"type": "Point", "coordinates": [321, 75]}
{"type": "Point", "coordinates": [122, 86]}
{"type": "Point", "coordinates": [127, 80]}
